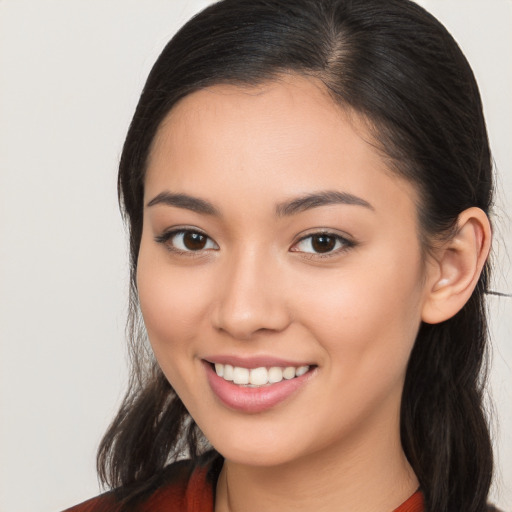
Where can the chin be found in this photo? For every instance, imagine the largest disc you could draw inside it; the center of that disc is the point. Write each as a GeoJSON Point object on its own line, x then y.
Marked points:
{"type": "Point", "coordinates": [264, 444]}
{"type": "Point", "coordinates": [248, 456]}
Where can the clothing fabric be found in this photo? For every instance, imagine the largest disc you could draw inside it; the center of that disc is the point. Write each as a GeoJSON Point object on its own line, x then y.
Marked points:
{"type": "Point", "coordinates": [186, 486]}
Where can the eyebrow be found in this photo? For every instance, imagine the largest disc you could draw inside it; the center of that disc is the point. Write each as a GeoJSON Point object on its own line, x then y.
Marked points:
{"type": "Point", "coordinates": [316, 199]}
{"type": "Point", "coordinates": [185, 201]}
{"type": "Point", "coordinates": [283, 209]}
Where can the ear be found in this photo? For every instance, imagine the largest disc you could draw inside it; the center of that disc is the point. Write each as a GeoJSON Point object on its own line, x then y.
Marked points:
{"type": "Point", "coordinates": [453, 272]}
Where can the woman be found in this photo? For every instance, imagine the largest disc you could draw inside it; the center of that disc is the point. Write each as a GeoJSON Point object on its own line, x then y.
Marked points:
{"type": "Point", "coordinates": [307, 185]}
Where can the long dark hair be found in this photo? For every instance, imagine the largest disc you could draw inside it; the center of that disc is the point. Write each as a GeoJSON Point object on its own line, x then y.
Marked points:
{"type": "Point", "coordinates": [398, 67]}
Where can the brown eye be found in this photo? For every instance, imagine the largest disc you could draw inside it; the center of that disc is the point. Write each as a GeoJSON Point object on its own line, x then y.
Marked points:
{"type": "Point", "coordinates": [323, 243]}
{"type": "Point", "coordinates": [186, 240]}
{"type": "Point", "coordinates": [194, 241]}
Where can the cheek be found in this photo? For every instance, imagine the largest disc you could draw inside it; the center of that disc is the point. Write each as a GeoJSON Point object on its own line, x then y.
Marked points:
{"type": "Point", "coordinates": [172, 304]}
{"type": "Point", "coordinates": [368, 317]}
{"type": "Point", "coordinates": [173, 308]}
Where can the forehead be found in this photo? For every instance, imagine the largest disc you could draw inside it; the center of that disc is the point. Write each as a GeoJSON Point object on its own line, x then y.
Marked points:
{"type": "Point", "coordinates": [284, 137]}
{"type": "Point", "coordinates": [274, 117]}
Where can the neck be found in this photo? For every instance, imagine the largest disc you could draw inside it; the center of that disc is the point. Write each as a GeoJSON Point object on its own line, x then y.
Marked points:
{"type": "Point", "coordinates": [369, 476]}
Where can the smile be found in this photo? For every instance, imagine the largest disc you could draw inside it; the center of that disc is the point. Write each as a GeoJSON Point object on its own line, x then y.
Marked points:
{"type": "Point", "coordinates": [261, 376]}
{"type": "Point", "coordinates": [259, 388]}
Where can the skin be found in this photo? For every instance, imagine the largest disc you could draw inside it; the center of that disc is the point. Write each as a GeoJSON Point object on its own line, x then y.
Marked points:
{"type": "Point", "coordinates": [256, 289]}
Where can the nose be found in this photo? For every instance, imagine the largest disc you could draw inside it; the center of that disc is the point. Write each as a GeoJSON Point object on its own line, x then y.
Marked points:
{"type": "Point", "coordinates": [251, 297]}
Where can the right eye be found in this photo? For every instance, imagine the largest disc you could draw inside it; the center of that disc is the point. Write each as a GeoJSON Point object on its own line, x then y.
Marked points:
{"type": "Point", "coordinates": [186, 241]}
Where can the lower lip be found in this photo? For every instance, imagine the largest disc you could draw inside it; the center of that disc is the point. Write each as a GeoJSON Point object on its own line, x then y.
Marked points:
{"type": "Point", "coordinates": [253, 400]}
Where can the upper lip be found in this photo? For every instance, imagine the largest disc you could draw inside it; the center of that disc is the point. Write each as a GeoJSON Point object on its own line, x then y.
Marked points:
{"type": "Point", "coordinates": [255, 361]}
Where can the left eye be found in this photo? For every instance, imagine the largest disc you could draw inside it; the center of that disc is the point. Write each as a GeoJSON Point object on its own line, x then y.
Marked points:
{"type": "Point", "coordinates": [321, 243]}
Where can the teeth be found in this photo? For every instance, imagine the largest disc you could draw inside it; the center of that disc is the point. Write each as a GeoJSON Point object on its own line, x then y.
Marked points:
{"type": "Point", "coordinates": [227, 373]}
{"type": "Point", "coordinates": [219, 368]}
{"type": "Point", "coordinates": [289, 372]}
{"type": "Point", "coordinates": [240, 375]}
{"type": "Point", "coordinates": [301, 370]}
{"type": "Point", "coordinates": [258, 376]}
{"type": "Point", "coordinates": [275, 374]}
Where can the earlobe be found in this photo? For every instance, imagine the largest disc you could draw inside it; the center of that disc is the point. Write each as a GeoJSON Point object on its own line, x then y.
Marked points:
{"type": "Point", "coordinates": [454, 273]}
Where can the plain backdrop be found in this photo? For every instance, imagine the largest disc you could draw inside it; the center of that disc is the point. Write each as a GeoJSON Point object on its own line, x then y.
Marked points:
{"type": "Point", "coordinates": [70, 75]}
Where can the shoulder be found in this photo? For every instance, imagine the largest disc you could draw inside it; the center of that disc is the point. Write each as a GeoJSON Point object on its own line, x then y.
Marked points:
{"type": "Point", "coordinates": [184, 486]}
{"type": "Point", "coordinates": [100, 503]}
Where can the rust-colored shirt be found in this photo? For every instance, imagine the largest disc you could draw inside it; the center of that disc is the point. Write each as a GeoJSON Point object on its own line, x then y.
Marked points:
{"type": "Point", "coordinates": [188, 487]}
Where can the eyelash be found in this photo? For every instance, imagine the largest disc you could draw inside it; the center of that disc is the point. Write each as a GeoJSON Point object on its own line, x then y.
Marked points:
{"type": "Point", "coordinates": [167, 237]}
{"type": "Point", "coordinates": [345, 245]}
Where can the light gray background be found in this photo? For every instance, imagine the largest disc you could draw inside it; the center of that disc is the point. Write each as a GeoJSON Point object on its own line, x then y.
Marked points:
{"type": "Point", "coordinates": [70, 75]}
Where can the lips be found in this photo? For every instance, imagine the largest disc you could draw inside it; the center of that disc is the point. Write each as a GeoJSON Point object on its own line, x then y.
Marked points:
{"type": "Point", "coordinates": [253, 387]}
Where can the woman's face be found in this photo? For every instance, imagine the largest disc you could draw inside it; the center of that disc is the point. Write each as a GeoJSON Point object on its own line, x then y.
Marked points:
{"type": "Point", "coordinates": [277, 245]}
